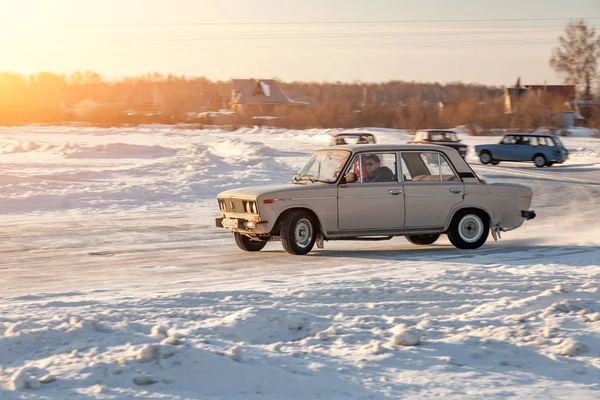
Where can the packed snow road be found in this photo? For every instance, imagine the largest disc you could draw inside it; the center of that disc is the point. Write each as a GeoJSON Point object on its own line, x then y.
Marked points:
{"type": "Point", "coordinates": [116, 284]}
{"type": "Point", "coordinates": [85, 251]}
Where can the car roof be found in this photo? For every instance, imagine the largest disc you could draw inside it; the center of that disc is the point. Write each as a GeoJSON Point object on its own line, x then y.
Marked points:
{"type": "Point", "coordinates": [388, 147]}
{"type": "Point", "coordinates": [352, 133]}
{"type": "Point", "coordinates": [530, 134]}
{"type": "Point", "coordinates": [436, 130]}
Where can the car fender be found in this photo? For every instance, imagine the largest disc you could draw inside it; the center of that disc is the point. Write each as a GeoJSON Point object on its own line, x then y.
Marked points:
{"type": "Point", "coordinates": [320, 222]}
{"type": "Point", "coordinates": [463, 205]}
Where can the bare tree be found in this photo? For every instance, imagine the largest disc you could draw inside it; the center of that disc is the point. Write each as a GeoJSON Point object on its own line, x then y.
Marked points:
{"type": "Point", "coordinates": [577, 54]}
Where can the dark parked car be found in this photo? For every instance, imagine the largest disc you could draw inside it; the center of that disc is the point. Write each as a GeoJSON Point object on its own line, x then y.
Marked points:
{"type": "Point", "coordinates": [543, 150]}
{"type": "Point", "coordinates": [342, 138]}
{"type": "Point", "coordinates": [440, 137]}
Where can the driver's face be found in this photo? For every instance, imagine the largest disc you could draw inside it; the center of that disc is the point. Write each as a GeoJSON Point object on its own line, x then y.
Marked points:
{"type": "Point", "coordinates": [371, 165]}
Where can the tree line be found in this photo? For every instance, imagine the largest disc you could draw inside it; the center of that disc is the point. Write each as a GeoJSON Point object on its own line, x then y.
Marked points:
{"type": "Point", "coordinates": [156, 98]}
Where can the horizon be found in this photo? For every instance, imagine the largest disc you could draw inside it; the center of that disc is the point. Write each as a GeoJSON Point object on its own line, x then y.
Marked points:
{"type": "Point", "coordinates": [464, 42]}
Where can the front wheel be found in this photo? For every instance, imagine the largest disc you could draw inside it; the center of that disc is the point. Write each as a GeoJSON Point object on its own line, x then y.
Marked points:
{"type": "Point", "coordinates": [298, 232]}
{"type": "Point", "coordinates": [539, 161]}
{"type": "Point", "coordinates": [247, 244]}
{"type": "Point", "coordinates": [469, 229]}
{"type": "Point", "coordinates": [423, 239]}
{"type": "Point", "coordinates": [485, 157]}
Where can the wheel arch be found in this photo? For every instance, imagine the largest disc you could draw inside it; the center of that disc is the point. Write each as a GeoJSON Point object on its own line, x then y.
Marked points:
{"type": "Point", "coordinates": [539, 154]}
{"type": "Point", "coordinates": [277, 226]}
{"type": "Point", "coordinates": [462, 208]}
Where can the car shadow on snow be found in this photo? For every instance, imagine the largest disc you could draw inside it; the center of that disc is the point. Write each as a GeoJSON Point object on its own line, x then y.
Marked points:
{"type": "Point", "coordinates": [506, 254]}
{"type": "Point", "coordinates": [544, 179]}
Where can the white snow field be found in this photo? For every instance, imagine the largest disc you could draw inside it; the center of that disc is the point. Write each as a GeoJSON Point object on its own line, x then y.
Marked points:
{"type": "Point", "coordinates": [116, 284]}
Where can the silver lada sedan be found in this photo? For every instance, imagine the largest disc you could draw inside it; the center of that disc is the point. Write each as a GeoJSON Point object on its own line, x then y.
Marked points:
{"type": "Point", "coordinates": [375, 192]}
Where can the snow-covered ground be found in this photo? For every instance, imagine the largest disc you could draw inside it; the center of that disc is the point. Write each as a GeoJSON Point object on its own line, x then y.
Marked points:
{"type": "Point", "coordinates": [116, 284]}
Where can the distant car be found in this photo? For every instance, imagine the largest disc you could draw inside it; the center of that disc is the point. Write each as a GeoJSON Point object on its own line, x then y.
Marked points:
{"type": "Point", "coordinates": [440, 137]}
{"type": "Point", "coordinates": [341, 138]}
{"type": "Point", "coordinates": [416, 191]}
{"type": "Point", "coordinates": [542, 149]}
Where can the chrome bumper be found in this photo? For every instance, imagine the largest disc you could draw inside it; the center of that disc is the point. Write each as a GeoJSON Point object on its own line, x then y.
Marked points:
{"type": "Point", "coordinates": [237, 224]}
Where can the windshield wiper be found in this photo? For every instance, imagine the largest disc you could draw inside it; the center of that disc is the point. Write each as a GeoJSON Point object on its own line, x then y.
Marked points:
{"type": "Point", "coordinates": [298, 178]}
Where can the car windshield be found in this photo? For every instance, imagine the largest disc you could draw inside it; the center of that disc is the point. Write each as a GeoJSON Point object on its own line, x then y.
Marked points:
{"type": "Point", "coordinates": [353, 139]}
{"type": "Point", "coordinates": [443, 137]}
{"type": "Point", "coordinates": [420, 136]}
{"type": "Point", "coordinates": [323, 166]}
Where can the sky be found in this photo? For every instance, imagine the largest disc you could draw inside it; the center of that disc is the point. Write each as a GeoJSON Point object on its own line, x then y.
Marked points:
{"type": "Point", "coordinates": [488, 42]}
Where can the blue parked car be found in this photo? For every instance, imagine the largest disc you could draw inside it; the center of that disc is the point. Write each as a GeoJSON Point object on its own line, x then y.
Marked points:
{"type": "Point", "coordinates": [543, 150]}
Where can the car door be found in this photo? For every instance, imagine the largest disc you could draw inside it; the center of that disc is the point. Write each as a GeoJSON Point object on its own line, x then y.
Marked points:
{"type": "Point", "coordinates": [524, 149]}
{"type": "Point", "coordinates": [371, 206]}
{"type": "Point", "coordinates": [504, 150]}
{"type": "Point", "coordinates": [431, 188]}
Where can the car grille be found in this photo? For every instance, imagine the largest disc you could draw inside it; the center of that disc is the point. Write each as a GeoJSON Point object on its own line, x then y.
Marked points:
{"type": "Point", "coordinates": [238, 206]}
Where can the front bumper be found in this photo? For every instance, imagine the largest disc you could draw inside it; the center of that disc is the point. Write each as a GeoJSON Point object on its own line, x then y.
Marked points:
{"type": "Point", "coordinates": [239, 224]}
{"type": "Point", "coordinates": [528, 214]}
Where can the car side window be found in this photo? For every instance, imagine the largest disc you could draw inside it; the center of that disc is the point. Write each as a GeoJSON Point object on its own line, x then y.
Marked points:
{"type": "Point", "coordinates": [406, 175]}
{"type": "Point", "coordinates": [525, 140]}
{"type": "Point", "coordinates": [508, 140]}
{"type": "Point", "coordinates": [426, 166]}
{"type": "Point", "coordinates": [374, 168]}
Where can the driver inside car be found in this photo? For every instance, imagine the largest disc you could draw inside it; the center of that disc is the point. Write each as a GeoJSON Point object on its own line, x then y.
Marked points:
{"type": "Point", "coordinates": [376, 172]}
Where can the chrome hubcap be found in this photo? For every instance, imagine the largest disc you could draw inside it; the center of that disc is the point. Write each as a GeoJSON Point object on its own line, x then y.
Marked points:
{"type": "Point", "coordinates": [470, 228]}
{"type": "Point", "coordinates": [485, 158]}
{"type": "Point", "coordinates": [303, 233]}
{"type": "Point", "coordinates": [539, 161]}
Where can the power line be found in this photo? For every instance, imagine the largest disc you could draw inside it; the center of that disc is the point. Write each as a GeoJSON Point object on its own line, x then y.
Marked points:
{"type": "Point", "coordinates": [311, 35]}
{"type": "Point", "coordinates": [354, 22]}
{"type": "Point", "coordinates": [381, 46]}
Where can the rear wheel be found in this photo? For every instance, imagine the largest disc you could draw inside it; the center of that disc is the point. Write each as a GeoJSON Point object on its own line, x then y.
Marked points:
{"type": "Point", "coordinates": [423, 239]}
{"type": "Point", "coordinates": [298, 232]}
{"type": "Point", "coordinates": [469, 229]}
{"type": "Point", "coordinates": [247, 244]}
{"type": "Point", "coordinates": [485, 157]}
{"type": "Point", "coordinates": [539, 160]}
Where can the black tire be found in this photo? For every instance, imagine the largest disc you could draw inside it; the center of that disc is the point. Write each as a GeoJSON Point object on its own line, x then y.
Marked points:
{"type": "Point", "coordinates": [247, 244]}
{"type": "Point", "coordinates": [298, 232]}
{"type": "Point", "coordinates": [494, 162]}
{"type": "Point", "coordinates": [485, 157]}
{"type": "Point", "coordinates": [469, 229]}
{"type": "Point", "coordinates": [423, 239]}
{"type": "Point", "coordinates": [539, 160]}
{"type": "Point", "coordinates": [549, 163]}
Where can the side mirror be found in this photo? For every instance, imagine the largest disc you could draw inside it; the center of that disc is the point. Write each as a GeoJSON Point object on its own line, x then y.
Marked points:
{"type": "Point", "coordinates": [350, 177]}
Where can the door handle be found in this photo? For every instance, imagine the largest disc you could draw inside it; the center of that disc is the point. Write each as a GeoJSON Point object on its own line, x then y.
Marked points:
{"type": "Point", "coordinates": [395, 192]}
{"type": "Point", "coordinates": [456, 190]}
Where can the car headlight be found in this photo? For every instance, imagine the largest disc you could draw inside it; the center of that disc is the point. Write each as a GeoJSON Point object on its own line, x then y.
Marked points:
{"type": "Point", "coordinates": [254, 208]}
